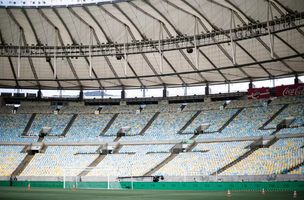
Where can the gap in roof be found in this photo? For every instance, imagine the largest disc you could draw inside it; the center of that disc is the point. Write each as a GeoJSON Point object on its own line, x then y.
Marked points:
{"type": "Point", "coordinates": [37, 3]}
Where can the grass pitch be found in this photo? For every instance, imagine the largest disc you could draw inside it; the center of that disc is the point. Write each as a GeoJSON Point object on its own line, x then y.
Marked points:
{"type": "Point", "coordinates": [92, 194]}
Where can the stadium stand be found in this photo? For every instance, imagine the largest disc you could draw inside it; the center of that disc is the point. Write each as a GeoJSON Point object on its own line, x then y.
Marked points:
{"type": "Point", "coordinates": [216, 118]}
{"type": "Point", "coordinates": [10, 158]}
{"type": "Point", "coordinates": [56, 158]}
{"type": "Point", "coordinates": [246, 124]}
{"type": "Point", "coordinates": [205, 159]}
{"type": "Point", "coordinates": [12, 126]}
{"type": "Point", "coordinates": [162, 108]}
{"type": "Point", "coordinates": [78, 109]}
{"type": "Point", "coordinates": [144, 149]}
{"type": "Point", "coordinates": [292, 110]}
{"type": "Point", "coordinates": [120, 109]}
{"type": "Point", "coordinates": [86, 128]}
{"type": "Point", "coordinates": [214, 105]}
{"type": "Point", "coordinates": [39, 109]}
{"type": "Point", "coordinates": [56, 122]}
{"type": "Point", "coordinates": [246, 103]}
{"type": "Point", "coordinates": [6, 109]}
{"type": "Point", "coordinates": [282, 155]}
{"type": "Point", "coordinates": [129, 165]}
{"type": "Point", "coordinates": [165, 127]}
{"type": "Point", "coordinates": [135, 121]}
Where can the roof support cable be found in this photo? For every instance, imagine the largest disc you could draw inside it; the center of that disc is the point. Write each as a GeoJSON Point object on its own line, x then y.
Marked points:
{"type": "Point", "coordinates": [55, 52]}
{"type": "Point", "coordinates": [19, 53]}
{"type": "Point", "coordinates": [125, 49]}
{"type": "Point", "coordinates": [90, 52]}
{"type": "Point", "coordinates": [232, 36]}
{"type": "Point", "coordinates": [269, 28]}
{"type": "Point", "coordinates": [161, 37]}
{"type": "Point", "coordinates": [196, 51]}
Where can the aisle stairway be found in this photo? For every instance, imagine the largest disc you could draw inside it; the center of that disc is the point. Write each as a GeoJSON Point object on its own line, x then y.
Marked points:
{"type": "Point", "coordinates": [109, 124]}
{"type": "Point", "coordinates": [67, 128]}
{"type": "Point", "coordinates": [160, 165]}
{"type": "Point", "coordinates": [230, 120]}
{"type": "Point", "coordinates": [245, 155]}
{"type": "Point", "coordinates": [23, 165]}
{"type": "Point", "coordinates": [93, 164]}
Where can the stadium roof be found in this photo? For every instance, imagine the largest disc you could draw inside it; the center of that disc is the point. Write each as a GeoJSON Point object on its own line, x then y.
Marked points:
{"type": "Point", "coordinates": [86, 45]}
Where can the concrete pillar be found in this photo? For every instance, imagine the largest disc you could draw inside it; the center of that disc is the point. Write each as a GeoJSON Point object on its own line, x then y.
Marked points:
{"type": "Point", "coordinates": [123, 94]}
{"type": "Point", "coordinates": [207, 89]}
{"type": "Point", "coordinates": [39, 94]}
{"type": "Point", "coordinates": [81, 95]}
{"type": "Point", "coordinates": [165, 92]}
{"type": "Point", "coordinates": [297, 80]}
{"type": "Point", "coordinates": [251, 85]}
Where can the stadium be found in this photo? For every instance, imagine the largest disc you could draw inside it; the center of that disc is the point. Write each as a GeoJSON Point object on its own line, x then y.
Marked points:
{"type": "Point", "coordinates": [151, 99]}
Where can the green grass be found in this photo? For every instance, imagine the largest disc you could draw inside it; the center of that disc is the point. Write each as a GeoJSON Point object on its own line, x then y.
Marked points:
{"type": "Point", "coordinates": [90, 194]}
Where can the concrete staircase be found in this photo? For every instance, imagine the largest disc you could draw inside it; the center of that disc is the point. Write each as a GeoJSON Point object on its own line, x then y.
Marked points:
{"type": "Point", "coordinates": [293, 168]}
{"type": "Point", "coordinates": [117, 139]}
{"type": "Point", "coordinates": [189, 122]}
{"type": "Point", "coordinates": [230, 120]}
{"type": "Point", "coordinates": [160, 165]}
{"type": "Point", "coordinates": [118, 147]}
{"type": "Point", "coordinates": [149, 123]}
{"type": "Point", "coordinates": [93, 164]}
{"type": "Point", "coordinates": [67, 128]}
{"type": "Point", "coordinates": [273, 117]}
{"type": "Point", "coordinates": [191, 147]}
{"type": "Point", "coordinates": [40, 139]}
{"type": "Point", "coordinates": [23, 165]}
{"type": "Point", "coordinates": [29, 124]}
{"type": "Point", "coordinates": [245, 155]}
{"type": "Point", "coordinates": [109, 124]}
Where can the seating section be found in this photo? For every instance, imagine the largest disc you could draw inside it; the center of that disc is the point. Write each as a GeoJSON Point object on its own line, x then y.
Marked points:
{"type": "Point", "coordinates": [292, 110]}
{"type": "Point", "coordinates": [57, 158]}
{"type": "Point", "coordinates": [10, 158]}
{"type": "Point", "coordinates": [288, 100]}
{"type": "Point", "coordinates": [6, 109]}
{"type": "Point", "coordinates": [143, 149]}
{"type": "Point", "coordinates": [299, 170]}
{"type": "Point", "coordinates": [165, 127]}
{"type": "Point", "coordinates": [246, 103]}
{"type": "Point", "coordinates": [291, 131]}
{"type": "Point", "coordinates": [86, 128]}
{"type": "Point", "coordinates": [78, 109]}
{"type": "Point", "coordinates": [216, 118]}
{"type": "Point", "coordinates": [214, 105]}
{"type": "Point", "coordinates": [205, 159]}
{"type": "Point", "coordinates": [12, 126]}
{"type": "Point", "coordinates": [128, 164]}
{"type": "Point", "coordinates": [56, 122]}
{"type": "Point", "coordinates": [135, 121]}
{"type": "Point", "coordinates": [120, 109]}
{"type": "Point", "coordinates": [282, 155]}
{"type": "Point", "coordinates": [36, 109]}
{"type": "Point", "coordinates": [162, 108]}
{"type": "Point", "coordinates": [247, 123]}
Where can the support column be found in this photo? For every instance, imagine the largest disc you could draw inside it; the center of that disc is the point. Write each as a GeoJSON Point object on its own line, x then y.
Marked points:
{"type": "Point", "coordinates": [165, 92]}
{"type": "Point", "coordinates": [123, 94]}
{"type": "Point", "coordinates": [297, 80]}
{"type": "Point", "coordinates": [144, 92]}
{"type": "Point", "coordinates": [207, 89]}
{"type": "Point", "coordinates": [39, 94]}
{"type": "Point", "coordinates": [251, 85]}
{"type": "Point", "coordinates": [81, 94]}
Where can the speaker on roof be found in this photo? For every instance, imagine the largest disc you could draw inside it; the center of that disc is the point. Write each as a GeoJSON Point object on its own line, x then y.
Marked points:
{"type": "Point", "coordinates": [189, 50]}
{"type": "Point", "coordinates": [118, 57]}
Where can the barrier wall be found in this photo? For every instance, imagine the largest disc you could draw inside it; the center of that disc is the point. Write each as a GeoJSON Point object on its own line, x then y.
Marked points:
{"type": "Point", "coordinates": [169, 185]}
